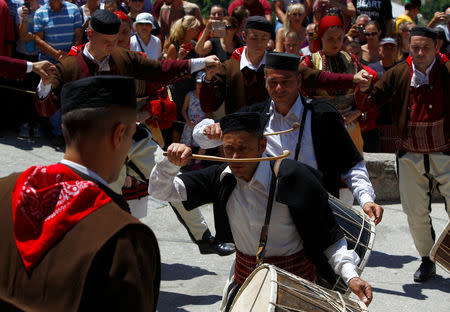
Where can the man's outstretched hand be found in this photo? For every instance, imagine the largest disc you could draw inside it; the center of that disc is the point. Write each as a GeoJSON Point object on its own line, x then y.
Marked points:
{"type": "Point", "coordinates": [362, 289]}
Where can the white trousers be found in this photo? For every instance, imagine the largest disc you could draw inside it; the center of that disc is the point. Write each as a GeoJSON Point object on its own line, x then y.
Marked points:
{"type": "Point", "coordinates": [417, 175]}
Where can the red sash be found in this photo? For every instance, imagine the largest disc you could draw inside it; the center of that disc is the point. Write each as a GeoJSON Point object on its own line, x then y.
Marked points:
{"type": "Point", "coordinates": [297, 264]}
{"type": "Point", "coordinates": [47, 201]}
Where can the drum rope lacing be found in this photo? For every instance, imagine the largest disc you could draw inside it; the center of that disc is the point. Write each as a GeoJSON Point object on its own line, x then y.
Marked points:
{"type": "Point", "coordinates": [349, 235]}
{"type": "Point", "coordinates": [320, 295]}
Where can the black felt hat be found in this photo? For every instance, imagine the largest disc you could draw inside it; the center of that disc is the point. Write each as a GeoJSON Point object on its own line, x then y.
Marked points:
{"type": "Point", "coordinates": [98, 91]}
{"type": "Point", "coordinates": [282, 60]}
{"type": "Point", "coordinates": [105, 22]}
{"type": "Point", "coordinates": [241, 121]}
{"type": "Point", "coordinates": [259, 23]}
{"type": "Point", "coordinates": [423, 31]}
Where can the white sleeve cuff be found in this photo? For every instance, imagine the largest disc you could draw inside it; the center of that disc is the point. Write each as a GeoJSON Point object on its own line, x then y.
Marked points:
{"type": "Point", "coordinates": [43, 90]}
{"type": "Point", "coordinates": [197, 64]}
{"type": "Point", "coordinates": [29, 67]}
{"type": "Point", "coordinates": [343, 261]}
{"type": "Point", "coordinates": [349, 271]}
{"type": "Point", "coordinates": [357, 179]}
{"type": "Point", "coordinates": [365, 198]}
{"type": "Point", "coordinates": [201, 139]}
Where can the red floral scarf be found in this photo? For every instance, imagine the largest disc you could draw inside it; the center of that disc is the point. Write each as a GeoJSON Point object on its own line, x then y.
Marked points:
{"type": "Point", "coordinates": [47, 201]}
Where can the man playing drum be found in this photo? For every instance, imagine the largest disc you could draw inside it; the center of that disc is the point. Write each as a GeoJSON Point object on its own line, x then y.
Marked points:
{"type": "Point", "coordinates": [303, 233]}
{"type": "Point", "coordinates": [324, 143]}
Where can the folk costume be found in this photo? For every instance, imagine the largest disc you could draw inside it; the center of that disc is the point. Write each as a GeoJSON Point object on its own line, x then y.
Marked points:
{"type": "Point", "coordinates": [299, 237]}
{"type": "Point", "coordinates": [420, 114]}
{"type": "Point", "coordinates": [120, 62]}
{"type": "Point", "coordinates": [68, 241]}
{"type": "Point", "coordinates": [324, 144]}
{"type": "Point", "coordinates": [239, 83]}
{"type": "Point", "coordinates": [12, 68]}
{"type": "Point", "coordinates": [344, 63]}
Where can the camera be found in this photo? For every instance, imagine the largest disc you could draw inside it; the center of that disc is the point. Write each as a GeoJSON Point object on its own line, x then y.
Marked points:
{"type": "Point", "coordinates": [218, 28]}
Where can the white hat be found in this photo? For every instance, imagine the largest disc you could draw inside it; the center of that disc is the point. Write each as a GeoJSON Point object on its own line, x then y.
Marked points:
{"type": "Point", "coordinates": [144, 18]}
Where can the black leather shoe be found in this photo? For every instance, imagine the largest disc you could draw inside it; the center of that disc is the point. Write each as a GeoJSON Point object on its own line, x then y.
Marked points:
{"type": "Point", "coordinates": [208, 246]}
{"type": "Point", "coordinates": [426, 270]}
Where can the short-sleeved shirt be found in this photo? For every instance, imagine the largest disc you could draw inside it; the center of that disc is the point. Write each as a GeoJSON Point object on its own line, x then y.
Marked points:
{"type": "Point", "coordinates": [58, 28]}
{"type": "Point", "coordinates": [260, 7]}
{"type": "Point", "coordinates": [22, 46]}
{"type": "Point", "coordinates": [152, 49]}
{"type": "Point", "coordinates": [377, 10]}
{"type": "Point", "coordinates": [6, 28]}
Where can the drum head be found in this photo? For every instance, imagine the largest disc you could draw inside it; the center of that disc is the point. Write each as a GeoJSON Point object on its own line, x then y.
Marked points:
{"type": "Point", "coordinates": [440, 253]}
{"type": "Point", "coordinates": [272, 289]}
{"type": "Point", "coordinates": [256, 292]}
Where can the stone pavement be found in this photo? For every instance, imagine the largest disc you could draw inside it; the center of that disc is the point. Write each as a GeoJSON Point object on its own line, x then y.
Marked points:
{"type": "Point", "coordinates": [194, 282]}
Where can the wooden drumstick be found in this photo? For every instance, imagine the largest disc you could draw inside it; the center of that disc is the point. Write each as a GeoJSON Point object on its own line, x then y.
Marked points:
{"type": "Point", "coordinates": [285, 154]}
{"type": "Point", "coordinates": [295, 126]}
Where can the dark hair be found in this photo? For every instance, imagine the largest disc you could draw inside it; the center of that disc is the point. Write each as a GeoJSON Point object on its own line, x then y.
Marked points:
{"type": "Point", "coordinates": [240, 13]}
{"type": "Point", "coordinates": [409, 6]}
{"type": "Point", "coordinates": [225, 13]}
{"type": "Point", "coordinates": [232, 20]}
{"type": "Point", "coordinates": [294, 35]}
{"type": "Point", "coordinates": [355, 45]}
{"type": "Point", "coordinates": [94, 123]}
{"type": "Point", "coordinates": [374, 23]}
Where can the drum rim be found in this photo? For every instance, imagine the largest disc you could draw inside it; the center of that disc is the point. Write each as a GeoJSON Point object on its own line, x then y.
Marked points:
{"type": "Point", "coordinates": [273, 282]}
{"type": "Point", "coordinates": [272, 270]}
{"type": "Point", "coordinates": [437, 244]}
{"type": "Point", "coordinates": [363, 261]}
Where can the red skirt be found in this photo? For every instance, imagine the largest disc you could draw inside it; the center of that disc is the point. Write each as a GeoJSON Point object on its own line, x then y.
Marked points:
{"type": "Point", "coordinates": [297, 264]}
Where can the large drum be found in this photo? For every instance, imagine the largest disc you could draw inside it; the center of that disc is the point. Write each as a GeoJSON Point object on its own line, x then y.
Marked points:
{"type": "Point", "coordinates": [440, 252]}
{"type": "Point", "coordinates": [359, 231]}
{"type": "Point", "coordinates": [270, 289]}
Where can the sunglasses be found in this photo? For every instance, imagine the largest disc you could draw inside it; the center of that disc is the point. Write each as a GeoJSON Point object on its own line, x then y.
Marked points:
{"type": "Point", "coordinates": [371, 34]}
{"type": "Point", "coordinates": [228, 27]}
{"type": "Point", "coordinates": [137, 0]}
{"type": "Point", "coordinates": [310, 34]}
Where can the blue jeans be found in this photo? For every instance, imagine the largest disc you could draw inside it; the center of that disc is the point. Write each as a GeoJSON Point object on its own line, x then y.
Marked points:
{"type": "Point", "coordinates": [55, 122]}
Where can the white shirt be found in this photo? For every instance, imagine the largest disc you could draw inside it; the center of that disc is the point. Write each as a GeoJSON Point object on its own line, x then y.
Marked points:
{"type": "Point", "coordinates": [84, 170]}
{"type": "Point", "coordinates": [305, 51]}
{"type": "Point", "coordinates": [277, 143]}
{"type": "Point", "coordinates": [246, 209]}
{"type": "Point", "coordinates": [418, 78]}
{"type": "Point", "coordinates": [357, 178]}
{"type": "Point", "coordinates": [43, 90]}
{"type": "Point", "coordinates": [152, 49]}
{"type": "Point", "coordinates": [244, 62]}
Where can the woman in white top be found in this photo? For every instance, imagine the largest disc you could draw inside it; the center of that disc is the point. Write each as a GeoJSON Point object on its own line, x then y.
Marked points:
{"type": "Point", "coordinates": [143, 40]}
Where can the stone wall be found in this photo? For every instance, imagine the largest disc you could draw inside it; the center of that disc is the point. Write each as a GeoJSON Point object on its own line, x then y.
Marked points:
{"type": "Point", "coordinates": [383, 175]}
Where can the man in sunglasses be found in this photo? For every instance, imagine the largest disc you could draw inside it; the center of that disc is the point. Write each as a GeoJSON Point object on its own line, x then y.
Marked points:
{"type": "Point", "coordinates": [420, 113]}
{"type": "Point", "coordinates": [310, 38]}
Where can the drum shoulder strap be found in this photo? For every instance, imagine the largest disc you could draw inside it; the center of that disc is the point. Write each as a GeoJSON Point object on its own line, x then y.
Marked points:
{"type": "Point", "coordinates": [300, 132]}
{"type": "Point", "coordinates": [265, 227]}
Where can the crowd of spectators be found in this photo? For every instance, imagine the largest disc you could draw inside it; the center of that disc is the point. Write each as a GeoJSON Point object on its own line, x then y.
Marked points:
{"type": "Point", "coordinates": [174, 29]}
